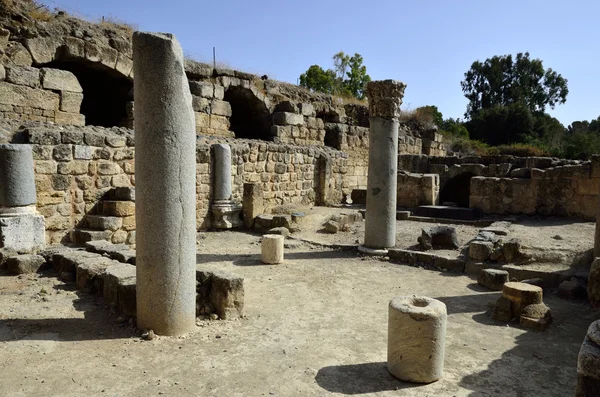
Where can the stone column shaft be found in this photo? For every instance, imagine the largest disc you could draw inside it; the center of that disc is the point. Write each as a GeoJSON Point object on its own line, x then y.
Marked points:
{"type": "Point", "coordinates": [385, 98]}
{"type": "Point", "coordinates": [221, 172]}
{"type": "Point", "coordinates": [17, 180]}
{"type": "Point", "coordinates": [165, 170]}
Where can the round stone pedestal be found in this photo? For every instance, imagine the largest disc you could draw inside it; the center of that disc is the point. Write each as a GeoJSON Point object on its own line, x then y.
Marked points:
{"type": "Point", "coordinates": [416, 338]}
{"type": "Point", "coordinates": [272, 249]}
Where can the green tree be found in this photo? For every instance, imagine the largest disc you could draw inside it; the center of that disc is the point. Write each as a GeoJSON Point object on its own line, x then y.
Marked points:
{"type": "Point", "coordinates": [500, 125]}
{"type": "Point", "coordinates": [317, 79]}
{"type": "Point", "coordinates": [347, 78]}
{"type": "Point", "coordinates": [455, 127]}
{"type": "Point", "coordinates": [357, 77]}
{"type": "Point", "coordinates": [502, 81]}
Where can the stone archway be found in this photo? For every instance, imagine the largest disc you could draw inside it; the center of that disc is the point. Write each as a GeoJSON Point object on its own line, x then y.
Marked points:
{"type": "Point", "coordinates": [457, 190]}
{"type": "Point", "coordinates": [105, 91]}
{"type": "Point", "coordinates": [250, 117]}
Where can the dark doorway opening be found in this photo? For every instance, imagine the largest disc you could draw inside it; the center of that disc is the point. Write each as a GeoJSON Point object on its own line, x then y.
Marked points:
{"type": "Point", "coordinates": [105, 91]}
{"type": "Point", "coordinates": [250, 117]}
{"type": "Point", "coordinates": [457, 190]}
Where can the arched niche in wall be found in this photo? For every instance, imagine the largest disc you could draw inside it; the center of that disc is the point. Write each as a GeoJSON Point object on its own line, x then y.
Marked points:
{"type": "Point", "coordinates": [105, 91]}
{"type": "Point", "coordinates": [457, 190]}
{"type": "Point", "coordinates": [250, 117]}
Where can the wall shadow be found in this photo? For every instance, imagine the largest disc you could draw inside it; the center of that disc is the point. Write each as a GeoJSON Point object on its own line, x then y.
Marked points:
{"type": "Point", "coordinates": [99, 321]}
{"type": "Point", "coordinates": [359, 379]}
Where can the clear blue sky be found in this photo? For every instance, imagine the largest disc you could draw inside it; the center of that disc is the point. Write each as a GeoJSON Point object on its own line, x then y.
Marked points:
{"type": "Point", "coordinates": [428, 44]}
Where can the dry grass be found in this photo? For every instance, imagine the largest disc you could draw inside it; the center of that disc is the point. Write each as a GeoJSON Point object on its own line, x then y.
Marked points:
{"type": "Point", "coordinates": [351, 100]}
{"type": "Point", "coordinates": [34, 9]}
{"type": "Point", "coordinates": [112, 22]}
{"type": "Point", "coordinates": [419, 115]}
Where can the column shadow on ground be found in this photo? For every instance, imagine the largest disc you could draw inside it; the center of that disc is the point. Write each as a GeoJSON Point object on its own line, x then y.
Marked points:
{"type": "Point", "coordinates": [359, 379]}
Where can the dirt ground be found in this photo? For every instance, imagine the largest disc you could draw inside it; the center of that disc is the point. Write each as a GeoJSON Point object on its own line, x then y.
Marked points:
{"type": "Point", "coordinates": [315, 325]}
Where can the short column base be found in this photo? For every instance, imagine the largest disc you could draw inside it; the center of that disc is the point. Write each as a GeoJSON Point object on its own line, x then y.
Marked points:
{"type": "Point", "coordinates": [372, 251]}
{"type": "Point", "coordinates": [23, 232]}
{"type": "Point", "coordinates": [226, 215]}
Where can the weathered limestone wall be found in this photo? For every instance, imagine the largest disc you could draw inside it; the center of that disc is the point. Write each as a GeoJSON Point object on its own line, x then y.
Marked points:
{"type": "Point", "coordinates": [76, 166]}
{"type": "Point", "coordinates": [570, 190]}
{"type": "Point", "coordinates": [288, 174]}
{"type": "Point", "coordinates": [417, 189]}
{"type": "Point", "coordinates": [28, 93]}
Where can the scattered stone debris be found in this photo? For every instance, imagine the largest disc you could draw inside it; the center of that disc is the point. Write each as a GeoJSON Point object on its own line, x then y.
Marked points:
{"type": "Point", "coordinates": [148, 335]}
{"type": "Point", "coordinates": [332, 226]}
{"type": "Point", "coordinates": [439, 237]}
{"type": "Point", "coordinates": [493, 279]}
{"type": "Point", "coordinates": [480, 250]}
{"type": "Point", "coordinates": [575, 288]}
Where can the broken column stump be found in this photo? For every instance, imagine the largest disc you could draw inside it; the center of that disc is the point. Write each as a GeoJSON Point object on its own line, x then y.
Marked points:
{"type": "Point", "coordinates": [272, 249]}
{"type": "Point", "coordinates": [416, 338]}
{"type": "Point", "coordinates": [523, 302]}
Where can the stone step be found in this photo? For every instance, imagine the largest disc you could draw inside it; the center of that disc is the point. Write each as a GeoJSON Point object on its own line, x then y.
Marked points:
{"type": "Point", "coordinates": [82, 236]}
{"type": "Point", "coordinates": [120, 252]}
{"type": "Point", "coordinates": [121, 194]}
{"type": "Point", "coordinates": [116, 208]}
{"type": "Point", "coordinates": [443, 211]}
{"type": "Point", "coordinates": [102, 222]}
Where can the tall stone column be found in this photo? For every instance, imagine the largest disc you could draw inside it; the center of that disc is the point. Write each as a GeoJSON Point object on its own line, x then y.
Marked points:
{"type": "Point", "coordinates": [385, 98]}
{"type": "Point", "coordinates": [226, 213]}
{"type": "Point", "coordinates": [21, 227]}
{"type": "Point", "coordinates": [165, 172]}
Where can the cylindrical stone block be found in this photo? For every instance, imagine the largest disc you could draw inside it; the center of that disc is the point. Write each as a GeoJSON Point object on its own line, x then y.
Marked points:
{"type": "Point", "coordinates": [221, 172]}
{"type": "Point", "coordinates": [588, 363]}
{"type": "Point", "coordinates": [385, 98]}
{"type": "Point", "coordinates": [272, 249]}
{"type": "Point", "coordinates": [17, 180]}
{"type": "Point", "coordinates": [416, 338]}
{"type": "Point", "coordinates": [165, 171]}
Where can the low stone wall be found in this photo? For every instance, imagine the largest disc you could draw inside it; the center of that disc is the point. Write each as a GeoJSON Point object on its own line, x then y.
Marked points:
{"type": "Point", "coordinates": [28, 93]}
{"type": "Point", "coordinates": [570, 190]}
{"type": "Point", "coordinates": [417, 189]}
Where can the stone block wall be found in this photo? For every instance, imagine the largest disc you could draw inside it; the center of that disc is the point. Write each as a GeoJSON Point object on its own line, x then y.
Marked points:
{"type": "Point", "coordinates": [570, 190]}
{"type": "Point", "coordinates": [287, 174]}
{"type": "Point", "coordinates": [29, 93]}
{"type": "Point", "coordinates": [414, 190]}
{"type": "Point", "coordinates": [74, 168]}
